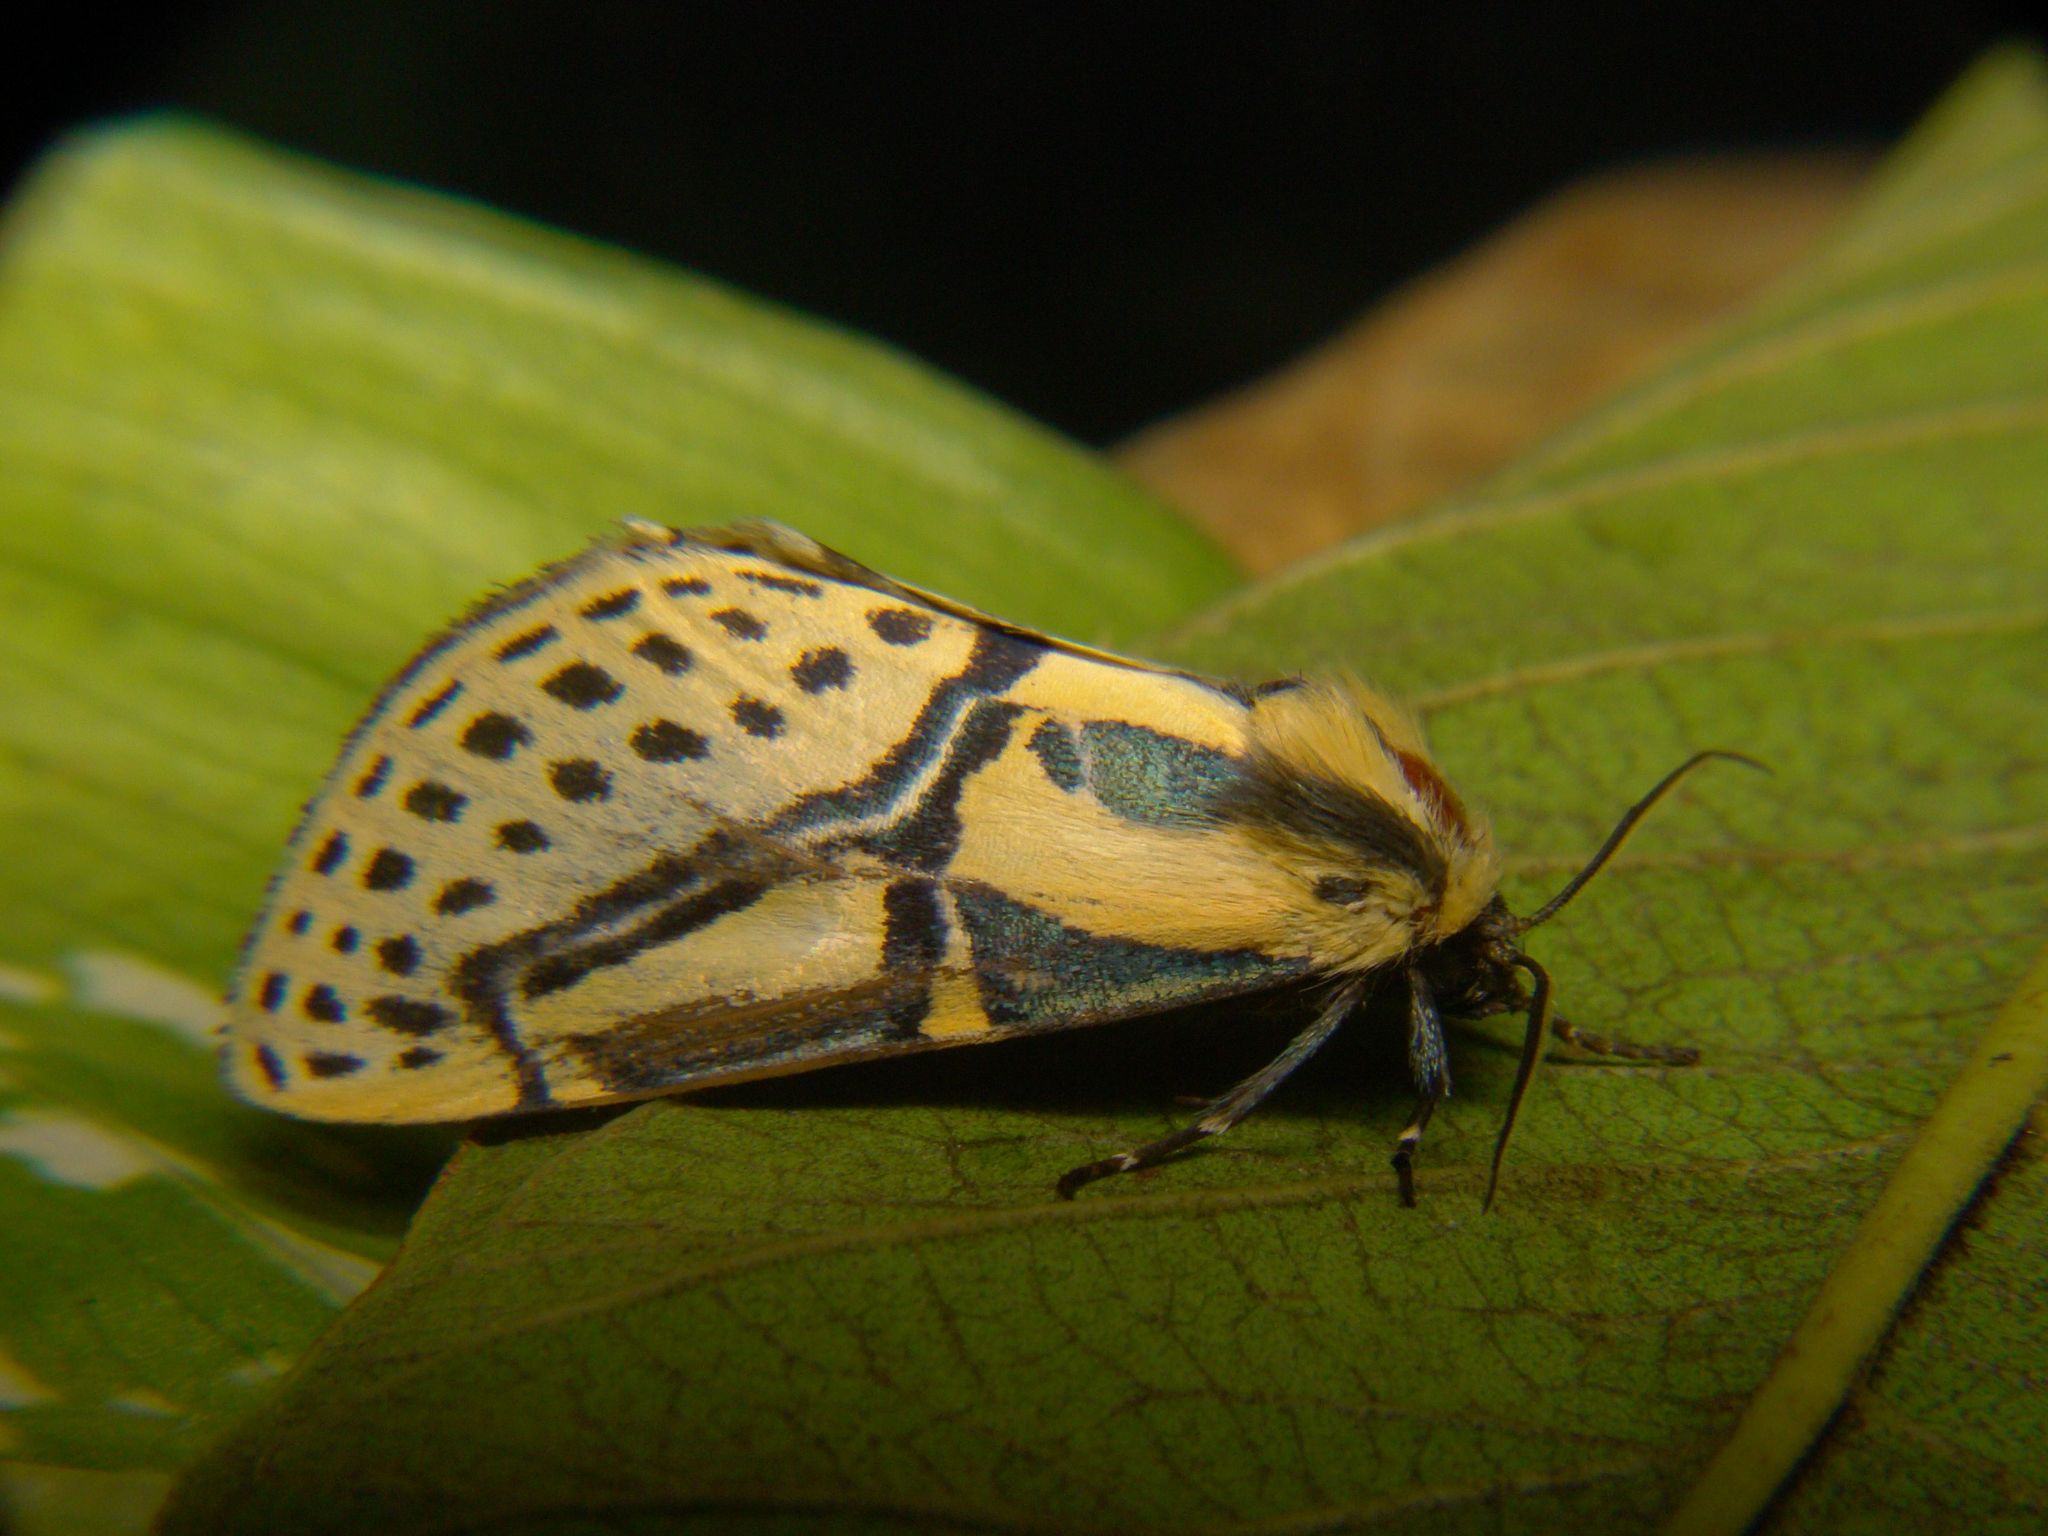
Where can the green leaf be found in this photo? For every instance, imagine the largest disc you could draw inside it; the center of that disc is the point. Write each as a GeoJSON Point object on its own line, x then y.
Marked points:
{"type": "Point", "coordinates": [1964, 1136]}
{"type": "Point", "coordinates": [164, 1263]}
{"type": "Point", "coordinates": [263, 427]}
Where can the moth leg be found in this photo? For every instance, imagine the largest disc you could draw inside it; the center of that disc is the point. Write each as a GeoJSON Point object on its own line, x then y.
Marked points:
{"type": "Point", "coordinates": [1431, 1065]}
{"type": "Point", "coordinates": [1225, 1112]}
{"type": "Point", "coordinates": [1607, 1045]}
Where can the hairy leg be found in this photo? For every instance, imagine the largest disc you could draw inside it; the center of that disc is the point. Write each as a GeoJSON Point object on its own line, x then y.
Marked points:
{"type": "Point", "coordinates": [1233, 1106]}
{"type": "Point", "coordinates": [1430, 1063]}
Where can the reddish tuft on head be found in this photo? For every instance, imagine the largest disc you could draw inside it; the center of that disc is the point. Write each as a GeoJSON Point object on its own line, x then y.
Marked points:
{"type": "Point", "coordinates": [1438, 796]}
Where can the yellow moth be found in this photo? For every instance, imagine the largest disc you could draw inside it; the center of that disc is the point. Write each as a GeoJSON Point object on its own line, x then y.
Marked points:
{"type": "Point", "coordinates": [714, 805]}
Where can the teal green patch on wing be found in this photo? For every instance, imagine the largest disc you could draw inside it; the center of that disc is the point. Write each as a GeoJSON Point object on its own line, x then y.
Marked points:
{"type": "Point", "coordinates": [1059, 754]}
{"type": "Point", "coordinates": [1145, 775]}
{"type": "Point", "coordinates": [1037, 972]}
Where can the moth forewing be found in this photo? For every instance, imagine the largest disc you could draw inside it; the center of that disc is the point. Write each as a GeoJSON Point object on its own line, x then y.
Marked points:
{"type": "Point", "coordinates": [704, 806]}
{"type": "Point", "coordinates": [672, 813]}
{"type": "Point", "coordinates": [583, 754]}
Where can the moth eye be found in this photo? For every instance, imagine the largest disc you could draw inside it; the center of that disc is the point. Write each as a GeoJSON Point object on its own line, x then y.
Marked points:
{"type": "Point", "coordinates": [1341, 890]}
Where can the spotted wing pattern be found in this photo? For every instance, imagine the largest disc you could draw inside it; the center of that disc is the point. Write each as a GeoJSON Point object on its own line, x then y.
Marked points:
{"type": "Point", "coordinates": [715, 805]}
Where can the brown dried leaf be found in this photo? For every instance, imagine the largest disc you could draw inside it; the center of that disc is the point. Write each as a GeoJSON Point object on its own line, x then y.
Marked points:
{"type": "Point", "coordinates": [1451, 376]}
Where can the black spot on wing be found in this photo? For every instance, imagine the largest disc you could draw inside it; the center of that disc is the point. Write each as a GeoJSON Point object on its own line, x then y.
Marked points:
{"type": "Point", "coordinates": [413, 1057]}
{"type": "Point", "coordinates": [740, 624]}
{"type": "Point", "coordinates": [432, 707]}
{"type": "Point", "coordinates": [388, 870]}
{"type": "Point", "coordinates": [322, 1005]}
{"type": "Point", "coordinates": [372, 781]}
{"type": "Point", "coordinates": [827, 667]}
{"type": "Point", "coordinates": [613, 604]}
{"type": "Point", "coordinates": [658, 650]}
{"type": "Point", "coordinates": [686, 586]}
{"type": "Point", "coordinates": [345, 939]}
{"type": "Point", "coordinates": [268, 1064]}
{"type": "Point", "coordinates": [663, 741]}
{"type": "Point", "coordinates": [583, 686]}
{"type": "Point", "coordinates": [301, 921]}
{"type": "Point", "coordinates": [328, 857]}
{"type": "Point", "coordinates": [757, 717]}
{"type": "Point", "coordinates": [331, 1063]}
{"type": "Point", "coordinates": [900, 626]}
{"type": "Point", "coordinates": [529, 642]}
{"type": "Point", "coordinates": [433, 801]}
{"type": "Point", "coordinates": [579, 779]}
{"type": "Point", "coordinates": [495, 736]}
{"type": "Point", "coordinates": [522, 837]}
{"type": "Point", "coordinates": [459, 896]}
{"type": "Point", "coordinates": [400, 955]}
{"type": "Point", "coordinates": [409, 1015]}
{"type": "Point", "coordinates": [270, 997]}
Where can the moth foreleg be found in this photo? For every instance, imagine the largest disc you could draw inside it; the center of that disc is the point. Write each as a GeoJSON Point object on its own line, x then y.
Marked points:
{"type": "Point", "coordinates": [1607, 1045]}
{"type": "Point", "coordinates": [1225, 1112]}
{"type": "Point", "coordinates": [1430, 1062]}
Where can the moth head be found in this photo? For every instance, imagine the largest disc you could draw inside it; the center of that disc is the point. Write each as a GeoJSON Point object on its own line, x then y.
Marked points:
{"type": "Point", "coordinates": [1341, 793]}
{"type": "Point", "coordinates": [1473, 972]}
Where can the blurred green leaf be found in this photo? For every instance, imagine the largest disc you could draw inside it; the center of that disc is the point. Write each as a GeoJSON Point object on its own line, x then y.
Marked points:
{"type": "Point", "coordinates": [263, 427]}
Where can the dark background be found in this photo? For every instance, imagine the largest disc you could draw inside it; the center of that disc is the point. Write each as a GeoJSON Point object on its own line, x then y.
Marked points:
{"type": "Point", "coordinates": [1098, 213]}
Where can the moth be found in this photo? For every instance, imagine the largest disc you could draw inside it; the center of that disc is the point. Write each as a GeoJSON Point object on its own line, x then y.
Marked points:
{"type": "Point", "coordinates": [699, 807]}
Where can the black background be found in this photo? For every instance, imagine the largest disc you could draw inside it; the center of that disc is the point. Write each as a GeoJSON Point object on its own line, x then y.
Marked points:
{"type": "Point", "coordinates": [1099, 213]}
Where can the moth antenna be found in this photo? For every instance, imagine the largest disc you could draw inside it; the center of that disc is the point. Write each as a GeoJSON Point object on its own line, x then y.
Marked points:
{"type": "Point", "coordinates": [1532, 1047]}
{"type": "Point", "coordinates": [1622, 828]}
